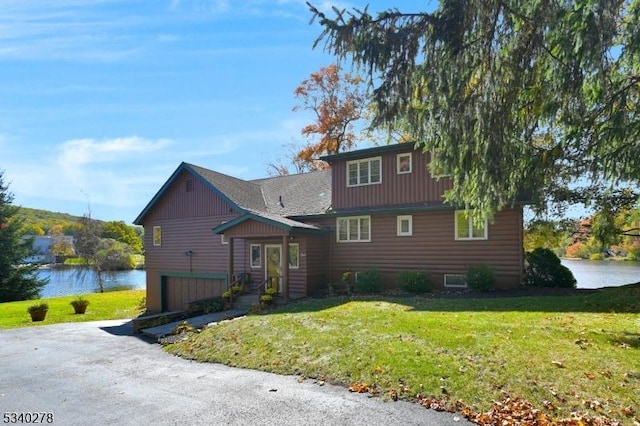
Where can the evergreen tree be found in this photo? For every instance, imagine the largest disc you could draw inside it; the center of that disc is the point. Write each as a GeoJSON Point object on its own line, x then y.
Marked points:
{"type": "Point", "coordinates": [17, 280]}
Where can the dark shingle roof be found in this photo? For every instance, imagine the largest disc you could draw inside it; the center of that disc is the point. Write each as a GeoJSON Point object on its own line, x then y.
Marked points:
{"type": "Point", "coordinates": [283, 196]}
{"type": "Point", "coordinates": [297, 195]}
{"type": "Point", "coordinates": [243, 194]}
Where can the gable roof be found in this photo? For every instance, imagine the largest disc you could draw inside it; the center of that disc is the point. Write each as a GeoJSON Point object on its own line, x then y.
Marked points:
{"type": "Point", "coordinates": [291, 195]}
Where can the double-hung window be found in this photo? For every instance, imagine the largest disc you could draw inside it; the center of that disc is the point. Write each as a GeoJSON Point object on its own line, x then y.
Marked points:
{"type": "Point", "coordinates": [467, 228]}
{"type": "Point", "coordinates": [352, 229]}
{"type": "Point", "coordinates": [364, 172]}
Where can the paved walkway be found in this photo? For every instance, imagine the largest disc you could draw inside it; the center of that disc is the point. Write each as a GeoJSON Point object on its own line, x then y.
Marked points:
{"type": "Point", "coordinates": [197, 322]}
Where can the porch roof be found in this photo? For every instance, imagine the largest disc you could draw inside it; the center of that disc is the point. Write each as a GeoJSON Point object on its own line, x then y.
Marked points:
{"type": "Point", "coordinates": [272, 220]}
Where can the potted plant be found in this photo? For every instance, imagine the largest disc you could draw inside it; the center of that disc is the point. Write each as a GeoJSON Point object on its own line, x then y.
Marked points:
{"type": "Point", "coordinates": [80, 305]}
{"type": "Point", "coordinates": [38, 311]}
{"type": "Point", "coordinates": [227, 297]}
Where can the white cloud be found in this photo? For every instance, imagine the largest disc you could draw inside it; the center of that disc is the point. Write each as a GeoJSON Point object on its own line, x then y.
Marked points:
{"type": "Point", "coordinates": [83, 151]}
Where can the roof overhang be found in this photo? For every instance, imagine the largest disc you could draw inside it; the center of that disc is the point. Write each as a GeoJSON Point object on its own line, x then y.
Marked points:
{"type": "Point", "coordinates": [288, 225]}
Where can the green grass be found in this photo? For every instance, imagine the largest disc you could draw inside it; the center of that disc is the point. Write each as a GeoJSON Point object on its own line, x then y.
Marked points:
{"type": "Point", "coordinates": [102, 306]}
{"type": "Point", "coordinates": [568, 351]}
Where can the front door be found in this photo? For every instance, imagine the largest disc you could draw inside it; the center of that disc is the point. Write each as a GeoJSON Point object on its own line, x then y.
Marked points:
{"type": "Point", "coordinates": [273, 265]}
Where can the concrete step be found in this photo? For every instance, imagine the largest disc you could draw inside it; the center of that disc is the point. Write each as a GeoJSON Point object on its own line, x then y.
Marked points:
{"type": "Point", "coordinates": [245, 301]}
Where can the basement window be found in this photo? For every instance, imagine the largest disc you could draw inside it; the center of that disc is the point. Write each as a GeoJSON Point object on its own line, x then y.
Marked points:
{"type": "Point", "coordinates": [454, 280]}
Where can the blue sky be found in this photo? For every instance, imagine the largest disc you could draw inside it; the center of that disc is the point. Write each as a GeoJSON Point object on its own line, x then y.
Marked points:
{"type": "Point", "coordinates": [100, 100]}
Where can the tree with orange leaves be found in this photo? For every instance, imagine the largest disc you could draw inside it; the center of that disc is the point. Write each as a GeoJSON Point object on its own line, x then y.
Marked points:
{"type": "Point", "coordinates": [337, 100]}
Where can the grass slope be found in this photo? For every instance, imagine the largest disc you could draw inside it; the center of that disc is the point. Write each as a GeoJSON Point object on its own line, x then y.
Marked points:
{"type": "Point", "coordinates": [563, 354]}
{"type": "Point", "coordinates": [103, 306]}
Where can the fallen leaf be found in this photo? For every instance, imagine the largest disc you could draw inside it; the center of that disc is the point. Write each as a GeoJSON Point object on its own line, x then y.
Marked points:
{"type": "Point", "coordinates": [590, 376]}
{"type": "Point", "coordinates": [558, 364]}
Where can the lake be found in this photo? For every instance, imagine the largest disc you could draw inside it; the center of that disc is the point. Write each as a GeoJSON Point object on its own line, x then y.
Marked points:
{"type": "Point", "coordinates": [603, 273]}
{"type": "Point", "coordinates": [72, 281]}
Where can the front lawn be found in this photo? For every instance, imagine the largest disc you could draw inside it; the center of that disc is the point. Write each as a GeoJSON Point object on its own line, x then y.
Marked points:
{"type": "Point", "coordinates": [568, 354]}
{"type": "Point", "coordinates": [102, 306]}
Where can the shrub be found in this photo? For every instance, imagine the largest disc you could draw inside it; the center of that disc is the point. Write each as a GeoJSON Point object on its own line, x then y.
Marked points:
{"type": "Point", "coordinates": [414, 281]}
{"type": "Point", "coordinates": [545, 270]}
{"type": "Point", "coordinates": [369, 281]}
{"type": "Point", "coordinates": [481, 277]}
{"type": "Point", "coordinates": [267, 300]}
{"type": "Point", "coordinates": [207, 306]}
{"type": "Point", "coordinates": [596, 256]}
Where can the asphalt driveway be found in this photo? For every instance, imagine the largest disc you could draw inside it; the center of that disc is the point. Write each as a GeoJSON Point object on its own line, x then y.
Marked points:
{"type": "Point", "coordinates": [98, 373]}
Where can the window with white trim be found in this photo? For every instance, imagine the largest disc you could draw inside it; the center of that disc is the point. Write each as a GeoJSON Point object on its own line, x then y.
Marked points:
{"type": "Point", "coordinates": [294, 255]}
{"type": "Point", "coordinates": [157, 235]}
{"type": "Point", "coordinates": [353, 229]}
{"type": "Point", "coordinates": [403, 163]}
{"type": "Point", "coordinates": [455, 280]}
{"type": "Point", "coordinates": [364, 172]}
{"type": "Point", "coordinates": [467, 228]}
{"type": "Point", "coordinates": [256, 255]}
{"type": "Point", "coordinates": [405, 226]}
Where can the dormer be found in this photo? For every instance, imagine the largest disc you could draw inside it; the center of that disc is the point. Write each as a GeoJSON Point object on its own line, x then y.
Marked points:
{"type": "Point", "coordinates": [384, 176]}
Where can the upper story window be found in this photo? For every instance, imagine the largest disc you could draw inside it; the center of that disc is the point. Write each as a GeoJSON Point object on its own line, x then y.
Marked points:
{"type": "Point", "coordinates": [404, 226]}
{"type": "Point", "coordinates": [364, 172]}
{"type": "Point", "coordinates": [403, 163]}
{"type": "Point", "coordinates": [189, 185]}
{"type": "Point", "coordinates": [157, 235]}
{"type": "Point", "coordinates": [354, 229]}
{"type": "Point", "coordinates": [468, 229]}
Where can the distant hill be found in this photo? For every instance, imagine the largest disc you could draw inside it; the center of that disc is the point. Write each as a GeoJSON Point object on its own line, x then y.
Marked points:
{"type": "Point", "coordinates": [46, 219]}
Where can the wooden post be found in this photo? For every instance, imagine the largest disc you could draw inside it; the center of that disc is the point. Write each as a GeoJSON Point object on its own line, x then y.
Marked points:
{"type": "Point", "coordinates": [285, 266]}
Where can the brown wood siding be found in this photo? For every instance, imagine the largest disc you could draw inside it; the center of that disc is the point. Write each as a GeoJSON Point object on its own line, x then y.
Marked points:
{"type": "Point", "coordinates": [417, 187]}
{"type": "Point", "coordinates": [179, 291]}
{"type": "Point", "coordinates": [254, 229]}
{"type": "Point", "coordinates": [187, 220]}
{"type": "Point", "coordinates": [317, 262]}
{"type": "Point", "coordinates": [177, 203]}
{"type": "Point", "coordinates": [433, 248]}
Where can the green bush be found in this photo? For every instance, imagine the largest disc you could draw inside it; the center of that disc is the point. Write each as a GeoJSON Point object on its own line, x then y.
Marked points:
{"type": "Point", "coordinates": [207, 306]}
{"type": "Point", "coordinates": [596, 256]}
{"type": "Point", "coordinates": [481, 277]}
{"type": "Point", "coordinates": [369, 281]}
{"type": "Point", "coordinates": [545, 270]}
{"type": "Point", "coordinates": [414, 281]}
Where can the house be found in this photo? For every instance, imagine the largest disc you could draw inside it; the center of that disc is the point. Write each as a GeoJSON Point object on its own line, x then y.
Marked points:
{"type": "Point", "coordinates": [43, 248]}
{"type": "Point", "coordinates": [376, 208]}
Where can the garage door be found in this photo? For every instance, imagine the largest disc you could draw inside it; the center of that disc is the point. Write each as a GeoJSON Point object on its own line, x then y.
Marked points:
{"type": "Point", "coordinates": [179, 291]}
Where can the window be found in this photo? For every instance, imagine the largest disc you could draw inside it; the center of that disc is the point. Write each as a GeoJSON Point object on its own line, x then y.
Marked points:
{"type": "Point", "coordinates": [451, 280]}
{"type": "Point", "coordinates": [294, 256]}
{"type": "Point", "coordinates": [403, 163]}
{"type": "Point", "coordinates": [256, 255]}
{"type": "Point", "coordinates": [437, 171]}
{"type": "Point", "coordinates": [354, 229]}
{"type": "Point", "coordinates": [467, 228]}
{"type": "Point", "coordinates": [405, 226]}
{"type": "Point", "coordinates": [364, 172]}
{"type": "Point", "coordinates": [189, 185]}
{"type": "Point", "coordinates": [157, 235]}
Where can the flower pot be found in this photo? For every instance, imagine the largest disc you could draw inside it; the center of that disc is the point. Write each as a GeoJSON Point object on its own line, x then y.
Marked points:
{"type": "Point", "coordinates": [80, 309]}
{"type": "Point", "coordinates": [38, 315]}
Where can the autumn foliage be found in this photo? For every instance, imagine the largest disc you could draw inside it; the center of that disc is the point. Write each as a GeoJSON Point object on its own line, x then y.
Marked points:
{"type": "Point", "coordinates": [337, 101]}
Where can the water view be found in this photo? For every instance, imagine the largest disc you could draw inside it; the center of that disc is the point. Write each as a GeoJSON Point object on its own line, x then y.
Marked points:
{"type": "Point", "coordinates": [603, 273]}
{"type": "Point", "coordinates": [72, 281]}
